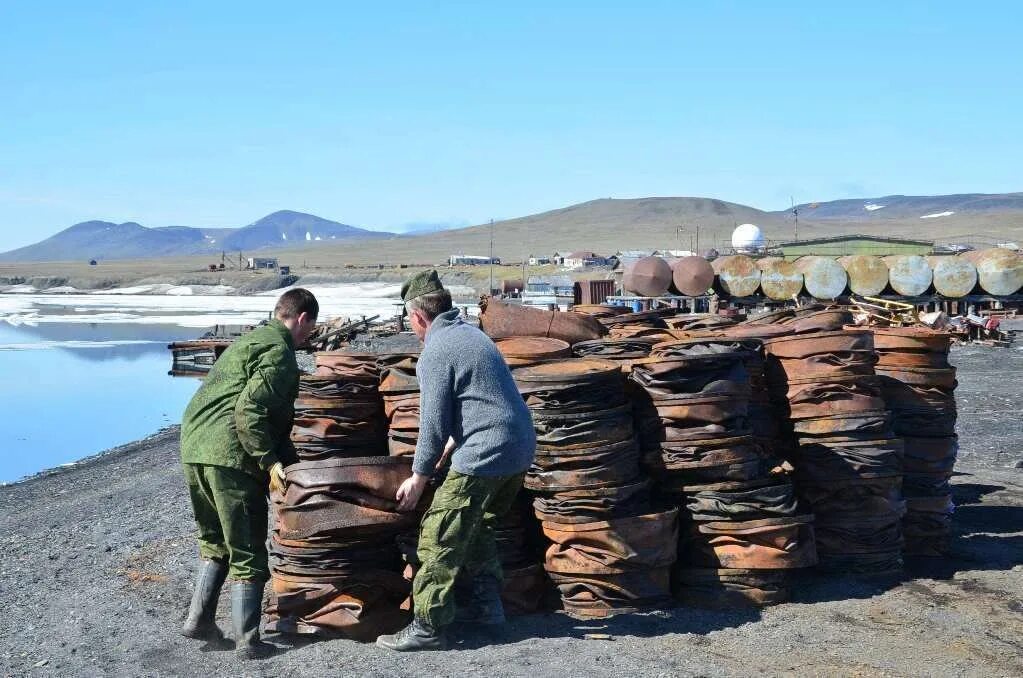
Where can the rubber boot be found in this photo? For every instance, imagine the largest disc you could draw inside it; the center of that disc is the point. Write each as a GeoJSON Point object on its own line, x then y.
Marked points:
{"type": "Point", "coordinates": [484, 605]}
{"type": "Point", "coordinates": [200, 623]}
{"type": "Point", "coordinates": [418, 635]}
{"type": "Point", "coordinates": [246, 613]}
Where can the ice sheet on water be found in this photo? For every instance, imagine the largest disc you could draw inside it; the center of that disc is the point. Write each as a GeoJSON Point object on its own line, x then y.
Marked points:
{"type": "Point", "coordinates": [44, 345]}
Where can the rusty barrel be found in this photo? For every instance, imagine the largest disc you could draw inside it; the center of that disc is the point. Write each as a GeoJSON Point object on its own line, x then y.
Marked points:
{"type": "Point", "coordinates": [647, 277]}
{"type": "Point", "coordinates": [737, 275]}
{"type": "Point", "coordinates": [599, 310]}
{"type": "Point", "coordinates": [526, 351]}
{"type": "Point", "coordinates": [868, 275]}
{"type": "Point", "coordinates": [499, 320]}
{"type": "Point", "coordinates": [953, 277]}
{"type": "Point", "coordinates": [692, 276]}
{"type": "Point", "coordinates": [779, 279]}
{"type": "Point", "coordinates": [823, 277]}
{"type": "Point", "coordinates": [909, 274]}
{"type": "Point", "coordinates": [999, 271]}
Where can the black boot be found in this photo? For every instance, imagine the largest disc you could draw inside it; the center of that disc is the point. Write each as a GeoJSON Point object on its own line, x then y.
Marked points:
{"type": "Point", "coordinates": [200, 623]}
{"type": "Point", "coordinates": [483, 604]}
{"type": "Point", "coordinates": [418, 635]}
{"type": "Point", "coordinates": [246, 613]}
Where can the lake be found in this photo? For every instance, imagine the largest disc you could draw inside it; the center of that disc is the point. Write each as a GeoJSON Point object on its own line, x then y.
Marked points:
{"type": "Point", "coordinates": [82, 373]}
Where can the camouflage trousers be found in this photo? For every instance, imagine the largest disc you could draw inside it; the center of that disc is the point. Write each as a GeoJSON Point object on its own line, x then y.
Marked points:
{"type": "Point", "coordinates": [457, 533]}
{"type": "Point", "coordinates": [230, 509]}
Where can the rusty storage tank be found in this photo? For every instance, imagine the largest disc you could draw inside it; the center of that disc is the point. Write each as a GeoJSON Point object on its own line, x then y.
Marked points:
{"type": "Point", "coordinates": [823, 277]}
{"type": "Point", "coordinates": [737, 275]}
{"type": "Point", "coordinates": [909, 274]}
{"type": "Point", "coordinates": [868, 276]}
{"type": "Point", "coordinates": [779, 279]}
{"type": "Point", "coordinates": [999, 271]}
{"type": "Point", "coordinates": [692, 276]}
{"type": "Point", "coordinates": [953, 276]}
{"type": "Point", "coordinates": [647, 277]}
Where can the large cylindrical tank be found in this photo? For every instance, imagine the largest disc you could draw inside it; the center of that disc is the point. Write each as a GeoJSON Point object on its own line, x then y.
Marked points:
{"type": "Point", "coordinates": [692, 276]}
{"type": "Point", "coordinates": [999, 271]}
{"type": "Point", "coordinates": [823, 277]}
{"type": "Point", "coordinates": [647, 277]}
{"type": "Point", "coordinates": [909, 274]}
{"type": "Point", "coordinates": [737, 275]}
{"type": "Point", "coordinates": [779, 279]}
{"type": "Point", "coordinates": [868, 275]}
{"type": "Point", "coordinates": [953, 276]}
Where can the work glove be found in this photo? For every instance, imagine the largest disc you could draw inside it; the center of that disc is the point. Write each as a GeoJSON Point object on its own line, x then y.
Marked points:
{"type": "Point", "coordinates": [277, 478]}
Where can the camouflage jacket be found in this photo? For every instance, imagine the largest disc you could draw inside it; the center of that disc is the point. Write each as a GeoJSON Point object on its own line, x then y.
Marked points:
{"type": "Point", "coordinates": [241, 417]}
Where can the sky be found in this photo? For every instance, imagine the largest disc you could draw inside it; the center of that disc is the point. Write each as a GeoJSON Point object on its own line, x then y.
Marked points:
{"type": "Point", "coordinates": [387, 114]}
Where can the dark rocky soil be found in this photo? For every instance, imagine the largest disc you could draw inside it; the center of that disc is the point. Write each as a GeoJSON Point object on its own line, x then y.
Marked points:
{"type": "Point", "coordinates": [96, 569]}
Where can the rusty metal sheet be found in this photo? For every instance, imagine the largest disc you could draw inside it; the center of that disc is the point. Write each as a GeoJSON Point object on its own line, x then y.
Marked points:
{"type": "Point", "coordinates": [647, 277]}
{"type": "Point", "coordinates": [524, 589]}
{"type": "Point", "coordinates": [738, 501]}
{"type": "Point", "coordinates": [347, 364]}
{"type": "Point", "coordinates": [525, 351]}
{"type": "Point", "coordinates": [909, 274]}
{"type": "Point", "coordinates": [737, 275]}
{"type": "Point", "coordinates": [953, 277]}
{"type": "Point", "coordinates": [872, 423]}
{"type": "Point", "coordinates": [696, 375]}
{"type": "Point", "coordinates": [593, 504]}
{"type": "Point", "coordinates": [596, 596]}
{"type": "Point", "coordinates": [641, 331]}
{"type": "Point", "coordinates": [402, 411]}
{"type": "Point", "coordinates": [911, 339]}
{"type": "Point", "coordinates": [821, 398]}
{"type": "Point", "coordinates": [868, 275]}
{"type": "Point", "coordinates": [699, 322]}
{"type": "Point", "coordinates": [803, 345]}
{"type": "Point", "coordinates": [765, 544]}
{"type": "Point", "coordinates": [921, 376]}
{"type": "Point", "coordinates": [597, 466]}
{"type": "Point", "coordinates": [999, 271]}
{"type": "Point", "coordinates": [827, 320]}
{"type": "Point", "coordinates": [499, 320]}
{"type": "Point", "coordinates": [566, 432]}
{"type": "Point", "coordinates": [692, 276]}
{"type": "Point", "coordinates": [864, 547]}
{"type": "Point", "coordinates": [780, 280]}
{"type": "Point", "coordinates": [654, 318]}
{"type": "Point", "coordinates": [827, 459]}
{"type": "Point", "coordinates": [613, 546]}
{"type": "Point", "coordinates": [630, 348]}
{"type": "Point", "coordinates": [930, 455]}
{"type": "Point", "coordinates": [311, 386]}
{"type": "Point", "coordinates": [821, 366]}
{"type": "Point", "coordinates": [849, 501]}
{"type": "Point", "coordinates": [824, 278]}
{"type": "Point", "coordinates": [904, 358]}
{"type": "Point", "coordinates": [726, 589]}
{"type": "Point", "coordinates": [398, 373]}
{"type": "Point", "coordinates": [599, 310]}
{"type": "Point", "coordinates": [575, 385]}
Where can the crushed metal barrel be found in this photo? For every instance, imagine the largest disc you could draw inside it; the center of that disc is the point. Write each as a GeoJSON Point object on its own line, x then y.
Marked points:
{"type": "Point", "coordinates": [399, 388]}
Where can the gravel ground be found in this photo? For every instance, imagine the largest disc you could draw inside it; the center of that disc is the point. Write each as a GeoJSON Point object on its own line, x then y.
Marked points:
{"type": "Point", "coordinates": [96, 568]}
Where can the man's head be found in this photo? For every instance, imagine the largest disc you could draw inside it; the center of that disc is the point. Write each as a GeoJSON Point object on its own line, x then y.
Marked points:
{"type": "Point", "coordinates": [298, 310]}
{"type": "Point", "coordinates": [425, 299]}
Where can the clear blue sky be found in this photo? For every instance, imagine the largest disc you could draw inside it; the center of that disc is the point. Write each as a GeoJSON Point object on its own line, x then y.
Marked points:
{"type": "Point", "coordinates": [216, 113]}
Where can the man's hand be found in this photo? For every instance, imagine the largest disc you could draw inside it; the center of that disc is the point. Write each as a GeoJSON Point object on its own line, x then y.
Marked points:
{"type": "Point", "coordinates": [277, 478]}
{"type": "Point", "coordinates": [410, 491]}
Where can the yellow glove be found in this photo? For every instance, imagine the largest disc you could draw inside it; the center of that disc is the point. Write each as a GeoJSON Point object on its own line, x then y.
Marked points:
{"type": "Point", "coordinates": [277, 478]}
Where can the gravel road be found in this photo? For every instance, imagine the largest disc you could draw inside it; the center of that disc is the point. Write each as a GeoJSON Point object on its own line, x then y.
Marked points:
{"type": "Point", "coordinates": [96, 568]}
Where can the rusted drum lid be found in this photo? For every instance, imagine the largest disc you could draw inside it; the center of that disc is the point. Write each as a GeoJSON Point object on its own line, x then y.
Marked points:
{"type": "Point", "coordinates": [539, 348]}
{"type": "Point", "coordinates": [953, 276]}
{"type": "Point", "coordinates": [868, 276]}
{"type": "Point", "coordinates": [692, 276]}
{"type": "Point", "coordinates": [647, 277]}
{"type": "Point", "coordinates": [779, 279]}
{"type": "Point", "coordinates": [573, 370]}
{"type": "Point", "coordinates": [1000, 271]}
{"type": "Point", "coordinates": [824, 278]}
{"type": "Point", "coordinates": [909, 275]}
{"type": "Point", "coordinates": [737, 275]}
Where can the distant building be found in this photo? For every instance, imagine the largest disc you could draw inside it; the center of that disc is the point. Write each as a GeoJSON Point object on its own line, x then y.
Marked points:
{"type": "Point", "coordinates": [583, 259]}
{"type": "Point", "coordinates": [540, 260]}
{"type": "Point", "coordinates": [843, 245]}
{"type": "Point", "coordinates": [262, 263]}
{"type": "Point", "coordinates": [471, 260]}
{"type": "Point", "coordinates": [547, 290]}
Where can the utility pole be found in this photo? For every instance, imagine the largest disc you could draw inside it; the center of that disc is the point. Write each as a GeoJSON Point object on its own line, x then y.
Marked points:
{"type": "Point", "coordinates": [678, 236]}
{"type": "Point", "coordinates": [491, 290]}
{"type": "Point", "coordinates": [697, 250]}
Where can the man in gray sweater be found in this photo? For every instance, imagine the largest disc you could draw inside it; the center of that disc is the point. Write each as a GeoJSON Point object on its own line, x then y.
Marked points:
{"type": "Point", "coordinates": [466, 394]}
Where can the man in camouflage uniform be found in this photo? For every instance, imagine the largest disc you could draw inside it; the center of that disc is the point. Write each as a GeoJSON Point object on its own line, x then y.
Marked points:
{"type": "Point", "coordinates": [235, 438]}
{"type": "Point", "coordinates": [467, 394]}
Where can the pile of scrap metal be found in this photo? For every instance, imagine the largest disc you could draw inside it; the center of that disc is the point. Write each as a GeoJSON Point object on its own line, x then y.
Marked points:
{"type": "Point", "coordinates": [969, 328]}
{"type": "Point", "coordinates": [336, 333]}
{"type": "Point", "coordinates": [195, 358]}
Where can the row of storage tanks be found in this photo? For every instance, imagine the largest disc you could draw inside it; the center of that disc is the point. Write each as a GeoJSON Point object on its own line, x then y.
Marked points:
{"type": "Point", "coordinates": [995, 271]}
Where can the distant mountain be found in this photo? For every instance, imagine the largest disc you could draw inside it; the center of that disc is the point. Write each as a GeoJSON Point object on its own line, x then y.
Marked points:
{"type": "Point", "coordinates": [892, 207]}
{"type": "Point", "coordinates": [421, 227]}
{"type": "Point", "coordinates": [286, 228]}
{"type": "Point", "coordinates": [106, 240]}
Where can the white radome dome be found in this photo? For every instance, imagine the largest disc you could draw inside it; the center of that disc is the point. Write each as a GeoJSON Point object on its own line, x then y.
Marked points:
{"type": "Point", "coordinates": [747, 237]}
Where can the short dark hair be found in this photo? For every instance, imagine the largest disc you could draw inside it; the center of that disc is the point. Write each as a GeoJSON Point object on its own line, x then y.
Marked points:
{"type": "Point", "coordinates": [294, 303]}
{"type": "Point", "coordinates": [431, 305]}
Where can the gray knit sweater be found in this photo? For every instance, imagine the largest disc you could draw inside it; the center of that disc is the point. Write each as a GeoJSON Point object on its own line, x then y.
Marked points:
{"type": "Point", "coordinates": [467, 393]}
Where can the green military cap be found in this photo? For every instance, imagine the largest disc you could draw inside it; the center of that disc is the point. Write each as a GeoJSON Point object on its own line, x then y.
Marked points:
{"type": "Point", "coordinates": [424, 282]}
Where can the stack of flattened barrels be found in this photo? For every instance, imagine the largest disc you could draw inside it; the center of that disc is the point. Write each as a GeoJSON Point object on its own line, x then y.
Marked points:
{"type": "Point", "coordinates": [609, 550]}
{"type": "Point", "coordinates": [399, 387]}
{"type": "Point", "coordinates": [338, 411]}
{"type": "Point", "coordinates": [742, 532]}
{"type": "Point", "coordinates": [919, 389]}
{"type": "Point", "coordinates": [848, 462]}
